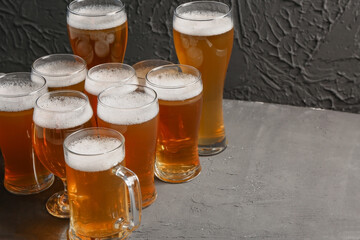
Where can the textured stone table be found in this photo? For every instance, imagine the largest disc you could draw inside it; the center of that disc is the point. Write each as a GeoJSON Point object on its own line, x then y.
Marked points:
{"type": "Point", "coordinates": [288, 173]}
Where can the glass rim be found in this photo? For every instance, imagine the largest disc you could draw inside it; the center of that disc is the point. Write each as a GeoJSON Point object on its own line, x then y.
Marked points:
{"type": "Point", "coordinates": [94, 68]}
{"type": "Point", "coordinates": [201, 2]}
{"type": "Point", "coordinates": [91, 129]}
{"type": "Point", "coordinates": [59, 92]}
{"type": "Point", "coordinates": [132, 108]}
{"type": "Point", "coordinates": [44, 85]}
{"type": "Point", "coordinates": [122, 8]}
{"type": "Point", "coordinates": [59, 55]}
{"type": "Point", "coordinates": [170, 66]}
{"type": "Point", "coordinates": [151, 60]}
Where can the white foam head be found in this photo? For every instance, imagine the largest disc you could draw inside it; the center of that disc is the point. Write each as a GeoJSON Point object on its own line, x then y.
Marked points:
{"type": "Point", "coordinates": [94, 153]}
{"type": "Point", "coordinates": [60, 112]}
{"type": "Point", "coordinates": [103, 77]}
{"type": "Point", "coordinates": [96, 16]}
{"type": "Point", "coordinates": [125, 106]}
{"type": "Point", "coordinates": [61, 73]}
{"type": "Point", "coordinates": [203, 23]}
{"type": "Point", "coordinates": [19, 91]}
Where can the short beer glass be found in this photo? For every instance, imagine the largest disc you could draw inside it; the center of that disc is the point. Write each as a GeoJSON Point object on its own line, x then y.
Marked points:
{"type": "Point", "coordinates": [133, 111]}
{"type": "Point", "coordinates": [104, 196]}
{"type": "Point", "coordinates": [24, 174]}
{"type": "Point", "coordinates": [57, 114]}
{"type": "Point", "coordinates": [179, 90]}
{"type": "Point", "coordinates": [61, 71]}
{"type": "Point", "coordinates": [203, 38]}
{"type": "Point", "coordinates": [98, 30]}
{"type": "Point", "coordinates": [143, 67]}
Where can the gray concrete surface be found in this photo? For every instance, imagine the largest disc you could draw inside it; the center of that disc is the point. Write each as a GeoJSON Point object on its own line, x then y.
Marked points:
{"type": "Point", "coordinates": [288, 173]}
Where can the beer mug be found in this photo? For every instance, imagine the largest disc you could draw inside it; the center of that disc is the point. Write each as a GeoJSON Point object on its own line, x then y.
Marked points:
{"type": "Point", "coordinates": [179, 89]}
{"type": "Point", "coordinates": [24, 174]}
{"type": "Point", "coordinates": [104, 196]}
{"type": "Point", "coordinates": [143, 67]}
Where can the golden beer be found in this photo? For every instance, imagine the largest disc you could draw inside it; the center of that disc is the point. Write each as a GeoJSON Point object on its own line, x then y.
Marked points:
{"type": "Point", "coordinates": [143, 67]}
{"type": "Point", "coordinates": [133, 111]}
{"type": "Point", "coordinates": [62, 71]}
{"type": "Point", "coordinates": [98, 32]}
{"type": "Point", "coordinates": [179, 90]}
{"type": "Point", "coordinates": [203, 38]}
{"type": "Point", "coordinates": [24, 174]}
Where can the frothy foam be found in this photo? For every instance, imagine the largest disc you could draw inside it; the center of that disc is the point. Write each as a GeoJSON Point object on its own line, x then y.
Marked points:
{"type": "Point", "coordinates": [92, 147]}
{"type": "Point", "coordinates": [175, 86]}
{"type": "Point", "coordinates": [126, 109]}
{"type": "Point", "coordinates": [61, 73]}
{"type": "Point", "coordinates": [104, 78]}
{"type": "Point", "coordinates": [89, 17]}
{"type": "Point", "coordinates": [60, 112]}
{"type": "Point", "coordinates": [218, 25]}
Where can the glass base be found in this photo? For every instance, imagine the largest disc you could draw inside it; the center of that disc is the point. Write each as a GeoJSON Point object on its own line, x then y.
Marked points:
{"type": "Point", "coordinates": [177, 177]}
{"type": "Point", "coordinates": [30, 189]}
{"type": "Point", "coordinates": [212, 149]}
{"type": "Point", "coordinates": [118, 236]}
{"type": "Point", "coordinates": [55, 206]}
{"type": "Point", "coordinates": [147, 202]}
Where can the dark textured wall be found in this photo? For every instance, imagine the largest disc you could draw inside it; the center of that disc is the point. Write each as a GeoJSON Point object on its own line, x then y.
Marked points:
{"type": "Point", "coordinates": [298, 52]}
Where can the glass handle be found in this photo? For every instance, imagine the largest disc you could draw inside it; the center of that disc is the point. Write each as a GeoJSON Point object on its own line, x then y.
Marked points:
{"type": "Point", "coordinates": [133, 185]}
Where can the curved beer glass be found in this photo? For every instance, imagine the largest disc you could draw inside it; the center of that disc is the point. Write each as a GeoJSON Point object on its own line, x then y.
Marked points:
{"type": "Point", "coordinates": [57, 114]}
{"type": "Point", "coordinates": [203, 37]}
{"type": "Point", "coordinates": [61, 71]}
{"type": "Point", "coordinates": [133, 111]}
{"type": "Point", "coordinates": [24, 174]}
{"type": "Point", "coordinates": [97, 186]}
{"type": "Point", "coordinates": [143, 67]}
{"type": "Point", "coordinates": [98, 30]}
{"type": "Point", "coordinates": [179, 89]}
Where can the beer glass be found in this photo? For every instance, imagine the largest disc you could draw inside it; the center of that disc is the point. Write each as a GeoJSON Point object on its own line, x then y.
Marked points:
{"type": "Point", "coordinates": [179, 89]}
{"type": "Point", "coordinates": [24, 174]}
{"type": "Point", "coordinates": [133, 111]}
{"type": "Point", "coordinates": [98, 30]}
{"type": "Point", "coordinates": [143, 67]}
{"type": "Point", "coordinates": [97, 186]}
{"type": "Point", "coordinates": [105, 75]}
{"type": "Point", "coordinates": [203, 38]}
{"type": "Point", "coordinates": [61, 71]}
{"type": "Point", "coordinates": [57, 114]}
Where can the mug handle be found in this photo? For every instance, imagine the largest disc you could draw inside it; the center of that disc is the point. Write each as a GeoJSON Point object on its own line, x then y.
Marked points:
{"type": "Point", "coordinates": [133, 185]}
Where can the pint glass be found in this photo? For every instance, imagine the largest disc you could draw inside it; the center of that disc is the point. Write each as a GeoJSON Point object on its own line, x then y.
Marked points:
{"type": "Point", "coordinates": [24, 174]}
{"type": "Point", "coordinates": [143, 67]}
{"type": "Point", "coordinates": [57, 114]}
{"type": "Point", "coordinates": [61, 71]}
{"type": "Point", "coordinates": [133, 111]}
{"type": "Point", "coordinates": [98, 30]}
{"type": "Point", "coordinates": [179, 90]}
{"type": "Point", "coordinates": [97, 186]}
{"type": "Point", "coordinates": [203, 37]}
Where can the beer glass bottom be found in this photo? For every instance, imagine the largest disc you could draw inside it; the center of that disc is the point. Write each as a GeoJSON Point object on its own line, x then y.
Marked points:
{"type": "Point", "coordinates": [149, 200]}
{"type": "Point", "coordinates": [21, 190]}
{"type": "Point", "coordinates": [72, 235]}
{"type": "Point", "coordinates": [57, 205]}
{"type": "Point", "coordinates": [177, 177]}
{"type": "Point", "coordinates": [212, 149]}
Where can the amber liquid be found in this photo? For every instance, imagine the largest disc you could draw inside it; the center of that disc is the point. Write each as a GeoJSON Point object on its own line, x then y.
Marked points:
{"type": "Point", "coordinates": [99, 46]}
{"type": "Point", "coordinates": [77, 87]}
{"type": "Point", "coordinates": [210, 55]}
{"type": "Point", "coordinates": [93, 102]}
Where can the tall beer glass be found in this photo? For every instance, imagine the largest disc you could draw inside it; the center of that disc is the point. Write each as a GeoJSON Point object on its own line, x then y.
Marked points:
{"type": "Point", "coordinates": [105, 75]}
{"type": "Point", "coordinates": [143, 67]}
{"type": "Point", "coordinates": [97, 183]}
{"type": "Point", "coordinates": [24, 174]}
{"type": "Point", "coordinates": [98, 30]}
{"type": "Point", "coordinates": [61, 71]}
{"type": "Point", "coordinates": [133, 111]}
{"type": "Point", "coordinates": [57, 114]}
{"type": "Point", "coordinates": [203, 37]}
{"type": "Point", "coordinates": [179, 90]}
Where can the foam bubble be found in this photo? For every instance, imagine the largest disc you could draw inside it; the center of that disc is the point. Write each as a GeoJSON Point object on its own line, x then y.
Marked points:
{"type": "Point", "coordinates": [104, 78]}
{"type": "Point", "coordinates": [218, 25]}
{"type": "Point", "coordinates": [62, 73]}
{"type": "Point", "coordinates": [93, 147]}
{"type": "Point", "coordinates": [175, 86]}
{"type": "Point", "coordinates": [60, 112]}
{"type": "Point", "coordinates": [89, 17]}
